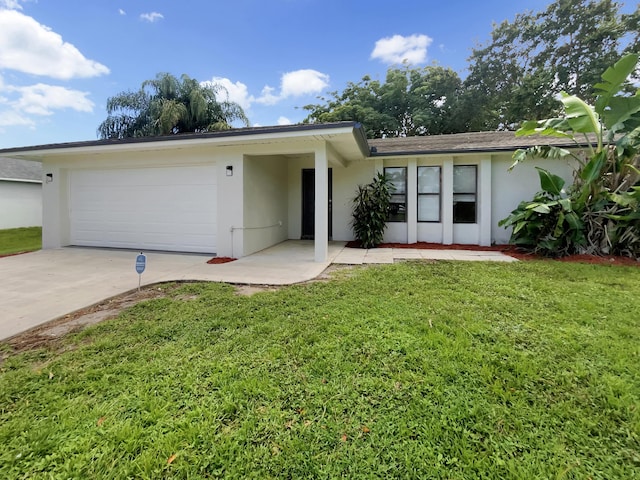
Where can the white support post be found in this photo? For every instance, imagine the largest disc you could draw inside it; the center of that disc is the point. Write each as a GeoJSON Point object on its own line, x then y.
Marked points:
{"type": "Point", "coordinates": [484, 200]}
{"type": "Point", "coordinates": [447, 201]}
{"type": "Point", "coordinates": [412, 201]}
{"type": "Point", "coordinates": [321, 234]}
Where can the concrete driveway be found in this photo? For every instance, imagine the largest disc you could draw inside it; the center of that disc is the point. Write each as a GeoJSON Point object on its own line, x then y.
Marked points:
{"type": "Point", "coordinates": [42, 286]}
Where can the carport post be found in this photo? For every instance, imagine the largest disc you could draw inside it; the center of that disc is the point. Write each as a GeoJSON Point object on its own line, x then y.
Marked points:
{"type": "Point", "coordinates": [321, 234]}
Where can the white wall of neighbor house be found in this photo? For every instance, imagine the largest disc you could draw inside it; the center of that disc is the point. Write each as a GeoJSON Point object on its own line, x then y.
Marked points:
{"type": "Point", "coordinates": [20, 204]}
{"type": "Point", "coordinates": [266, 202]}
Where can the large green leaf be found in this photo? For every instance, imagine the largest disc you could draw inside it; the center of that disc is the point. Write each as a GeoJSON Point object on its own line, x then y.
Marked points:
{"type": "Point", "coordinates": [538, 151]}
{"type": "Point", "coordinates": [620, 109]}
{"type": "Point", "coordinates": [549, 182]}
{"type": "Point", "coordinates": [593, 168]}
{"type": "Point", "coordinates": [551, 127]}
{"type": "Point", "coordinates": [612, 80]}
{"type": "Point", "coordinates": [581, 116]}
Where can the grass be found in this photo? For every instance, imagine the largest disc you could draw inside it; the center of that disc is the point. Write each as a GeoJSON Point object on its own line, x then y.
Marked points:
{"type": "Point", "coordinates": [20, 240]}
{"type": "Point", "coordinates": [414, 370]}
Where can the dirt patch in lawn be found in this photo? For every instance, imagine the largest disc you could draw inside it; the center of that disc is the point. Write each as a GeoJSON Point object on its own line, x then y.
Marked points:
{"type": "Point", "coordinates": [47, 334]}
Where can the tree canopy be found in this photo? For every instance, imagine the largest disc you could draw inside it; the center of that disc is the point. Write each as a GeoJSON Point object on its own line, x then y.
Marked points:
{"type": "Point", "coordinates": [529, 61]}
{"type": "Point", "coordinates": [516, 75]}
{"type": "Point", "coordinates": [418, 101]}
{"type": "Point", "coordinates": [168, 105]}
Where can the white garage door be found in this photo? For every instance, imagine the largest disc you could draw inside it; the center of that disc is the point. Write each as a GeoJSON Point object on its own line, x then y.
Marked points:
{"type": "Point", "coordinates": [151, 208]}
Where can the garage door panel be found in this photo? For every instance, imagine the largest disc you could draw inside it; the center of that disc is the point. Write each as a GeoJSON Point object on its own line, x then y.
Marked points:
{"type": "Point", "coordinates": [153, 208]}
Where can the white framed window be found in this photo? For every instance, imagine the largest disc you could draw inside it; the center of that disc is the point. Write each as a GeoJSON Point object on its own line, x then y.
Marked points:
{"type": "Point", "coordinates": [465, 193]}
{"type": "Point", "coordinates": [398, 206]}
{"type": "Point", "coordinates": [429, 182]}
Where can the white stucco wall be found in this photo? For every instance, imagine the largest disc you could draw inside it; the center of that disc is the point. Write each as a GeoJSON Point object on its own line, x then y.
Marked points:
{"type": "Point", "coordinates": [345, 182]}
{"type": "Point", "coordinates": [265, 202]}
{"type": "Point", "coordinates": [20, 204]}
{"type": "Point", "coordinates": [509, 188]}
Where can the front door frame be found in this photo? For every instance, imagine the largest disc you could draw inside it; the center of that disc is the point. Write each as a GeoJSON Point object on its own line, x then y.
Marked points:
{"type": "Point", "coordinates": [308, 203]}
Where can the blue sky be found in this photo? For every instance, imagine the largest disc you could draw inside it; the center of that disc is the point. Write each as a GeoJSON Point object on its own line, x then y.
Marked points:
{"type": "Point", "coordinates": [61, 59]}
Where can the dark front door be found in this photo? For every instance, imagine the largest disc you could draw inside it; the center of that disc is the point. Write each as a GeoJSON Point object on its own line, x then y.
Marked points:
{"type": "Point", "coordinates": [309, 202]}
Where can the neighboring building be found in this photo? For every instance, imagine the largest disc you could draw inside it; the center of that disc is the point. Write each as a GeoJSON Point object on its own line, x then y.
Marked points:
{"type": "Point", "coordinates": [20, 193]}
{"type": "Point", "coordinates": [239, 191]}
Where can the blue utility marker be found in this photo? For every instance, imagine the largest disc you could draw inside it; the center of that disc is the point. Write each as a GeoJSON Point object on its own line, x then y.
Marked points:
{"type": "Point", "coordinates": [141, 262]}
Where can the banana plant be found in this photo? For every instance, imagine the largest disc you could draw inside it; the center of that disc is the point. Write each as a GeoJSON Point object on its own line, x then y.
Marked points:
{"type": "Point", "coordinates": [604, 194]}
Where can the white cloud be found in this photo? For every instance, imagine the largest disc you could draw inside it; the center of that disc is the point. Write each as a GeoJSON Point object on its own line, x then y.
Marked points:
{"type": "Point", "coordinates": [11, 118]}
{"type": "Point", "coordinates": [42, 99]}
{"type": "Point", "coordinates": [399, 49]}
{"type": "Point", "coordinates": [151, 17]}
{"type": "Point", "coordinates": [284, 121]}
{"type": "Point", "coordinates": [30, 47]}
{"type": "Point", "coordinates": [11, 4]}
{"type": "Point", "coordinates": [303, 82]}
{"type": "Point", "coordinates": [121, 11]}
{"type": "Point", "coordinates": [295, 84]}
{"type": "Point", "coordinates": [20, 103]}
{"type": "Point", "coordinates": [236, 92]}
{"type": "Point", "coordinates": [267, 97]}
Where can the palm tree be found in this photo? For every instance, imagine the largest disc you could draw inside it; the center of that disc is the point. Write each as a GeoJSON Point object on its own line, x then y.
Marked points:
{"type": "Point", "coordinates": [168, 105]}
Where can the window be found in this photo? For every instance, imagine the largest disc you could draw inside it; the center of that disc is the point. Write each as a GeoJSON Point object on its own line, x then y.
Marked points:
{"type": "Point", "coordinates": [465, 187]}
{"type": "Point", "coordinates": [398, 207]}
{"type": "Point", "coordinates": [428, 194]}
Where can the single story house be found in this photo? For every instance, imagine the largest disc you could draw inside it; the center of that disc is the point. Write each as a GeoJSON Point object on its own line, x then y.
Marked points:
{"type": "Point", "coordinates": [20, 193]}
{"type": "Point", "coordinates": [235, 192]}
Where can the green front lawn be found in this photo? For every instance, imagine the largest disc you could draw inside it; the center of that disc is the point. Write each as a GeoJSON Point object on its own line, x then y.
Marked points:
{"type": "Point", "coordinates": [414, 370]}
{"type": "Point", "coordinates": [20, 240]}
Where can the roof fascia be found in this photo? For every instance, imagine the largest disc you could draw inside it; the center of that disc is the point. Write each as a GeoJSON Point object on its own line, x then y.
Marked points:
{"type": "Point", "coordinates": [240, 137]}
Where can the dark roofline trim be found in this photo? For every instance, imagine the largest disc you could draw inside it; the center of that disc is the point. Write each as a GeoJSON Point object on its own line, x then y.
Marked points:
{"type": "Point", "coordinates": [20, 180]}
{"type": "Point", "coordinates": [465, 150]}
{"type": "Point", "coordinates": [234, 132]}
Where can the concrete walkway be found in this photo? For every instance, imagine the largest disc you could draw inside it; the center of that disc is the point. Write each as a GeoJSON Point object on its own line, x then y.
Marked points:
{"type": "Point", "coordinates": [357, 256]}
{"type": "Point", "coordinates": [41, 286]}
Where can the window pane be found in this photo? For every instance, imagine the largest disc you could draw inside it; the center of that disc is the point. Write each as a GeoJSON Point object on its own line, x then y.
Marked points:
{"type": "Point", "coordinates": [398, 207]}
{"type": "Point", "coordinates": [464, 179]}
{"type": "Point", "coordinates": [397, 212]}
{"type": "Point", "coordinates": [463, 211]}
{"type": "Point", "coordinates": [464, 197]}
{"type": "Point", "coordinates": [428, 179]}
{"type": "Point", "coordinates": [429, 208]}
{"type": "Point", "coordinates": [398, 177]}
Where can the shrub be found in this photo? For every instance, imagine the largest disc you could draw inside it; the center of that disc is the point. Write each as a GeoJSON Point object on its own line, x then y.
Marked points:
{"type": "Point", "coordinates": [600, 212]}
{"type": "Point", "coordinates": [371, 210]}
